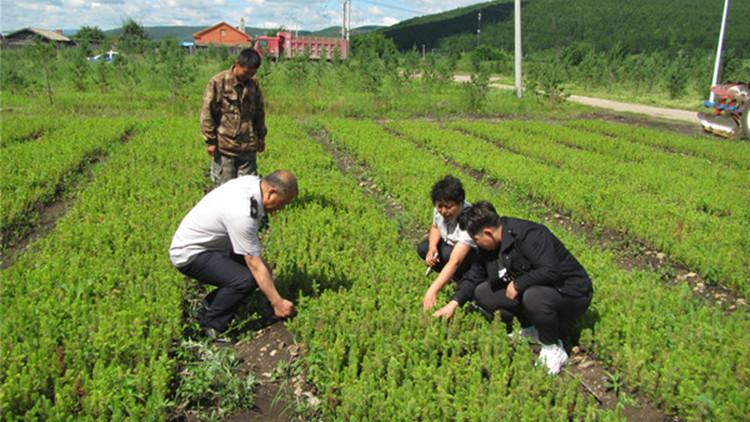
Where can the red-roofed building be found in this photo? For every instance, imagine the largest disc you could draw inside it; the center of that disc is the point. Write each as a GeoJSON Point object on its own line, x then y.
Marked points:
{"type": "Point", "coordinates": [222, 34]}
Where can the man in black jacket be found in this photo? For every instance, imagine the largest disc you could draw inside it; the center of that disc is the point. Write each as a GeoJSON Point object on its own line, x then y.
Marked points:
{"type": "Point", "coordinates": [523, 270]}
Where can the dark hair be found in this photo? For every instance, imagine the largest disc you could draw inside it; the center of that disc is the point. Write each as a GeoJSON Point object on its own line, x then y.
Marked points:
{"type": "Point", "coordinates": [249, 58]}
{"type": "Point", "coordinates": [477, 217]}
{"type": "Point", "coordinates": [448, 189]}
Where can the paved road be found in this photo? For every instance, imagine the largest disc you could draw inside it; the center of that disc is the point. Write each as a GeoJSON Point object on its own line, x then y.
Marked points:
{"type": "Point", "coordinates": [665, 113]}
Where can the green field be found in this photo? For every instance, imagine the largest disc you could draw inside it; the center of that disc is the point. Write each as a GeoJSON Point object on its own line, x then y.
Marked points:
{"type": "Point", "coordinates": [94, 321]}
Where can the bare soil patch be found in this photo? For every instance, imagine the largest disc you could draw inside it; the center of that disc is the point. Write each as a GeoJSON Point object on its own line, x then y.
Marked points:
{"type": "Point", "coordinates": [269, 356]}
{"type": "Point", "coordinates": [594, 377]}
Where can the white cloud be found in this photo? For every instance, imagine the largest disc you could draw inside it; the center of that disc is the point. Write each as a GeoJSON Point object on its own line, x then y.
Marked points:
{"type": "Point", "coordinates": [107, 14]}
{"type": "Point", "coordinates": [389, 20]}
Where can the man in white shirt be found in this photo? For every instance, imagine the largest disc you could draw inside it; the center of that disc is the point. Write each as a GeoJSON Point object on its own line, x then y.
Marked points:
{"type": "Point", "coordinates": [217, 243]}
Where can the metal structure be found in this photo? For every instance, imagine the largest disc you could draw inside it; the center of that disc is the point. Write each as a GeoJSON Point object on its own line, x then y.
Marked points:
{"type": "Point", "coordinates": [347, 19]}
{"type": "Point", "coordinates": [729, 102]}
{"type": "Point", "coordinates": [731, 111]}
{"type": "Point", "coordinates": [518, 52]}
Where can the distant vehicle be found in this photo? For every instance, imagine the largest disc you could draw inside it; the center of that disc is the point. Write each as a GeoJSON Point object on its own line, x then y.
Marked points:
{"type": "Point", "coordinates": [108, 57]}
{"type": "Point", "coordinates": [284, 45]}
{"type": "Point", "coordinates": [730, 112]}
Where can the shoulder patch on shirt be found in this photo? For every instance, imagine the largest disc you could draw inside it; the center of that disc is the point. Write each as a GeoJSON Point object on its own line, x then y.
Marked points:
{"type": "Point", "coordinates": [253, 207]}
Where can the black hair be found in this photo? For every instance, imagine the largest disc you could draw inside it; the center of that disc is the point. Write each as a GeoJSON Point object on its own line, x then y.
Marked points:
{"type": "Point", "coordinates": [249, 58]}
{"type": "Point", "coordinates": [477, 217]}
{"type": "Point", "coordinates": [448, 189]}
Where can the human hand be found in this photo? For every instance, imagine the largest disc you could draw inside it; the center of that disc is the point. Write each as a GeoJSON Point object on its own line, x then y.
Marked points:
{"type": "Point", "coordinates": [283, 309]}
{"type": "Point", "coordinates": [429, 299]}
{"type": "Point", "coordinates": [211, 149]}
{"type": "Point", "coordinates": [446, 311]}
{"type": "Point", "coordinates": [432, 257]}
{"type": "Point", "coordinates": [510, 291]}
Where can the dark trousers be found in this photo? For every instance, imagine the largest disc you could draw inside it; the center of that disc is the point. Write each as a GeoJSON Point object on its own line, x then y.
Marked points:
{"type": "Point", "coordinates": [233, 281]}
{"type": "Point", "coordinates": [541, 306]}
{"type": "Point", "coordinates": [444, 251]}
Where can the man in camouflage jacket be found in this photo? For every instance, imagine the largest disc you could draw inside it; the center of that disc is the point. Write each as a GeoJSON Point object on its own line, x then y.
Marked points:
{"type": "Point", "coordinates": [233, 119]}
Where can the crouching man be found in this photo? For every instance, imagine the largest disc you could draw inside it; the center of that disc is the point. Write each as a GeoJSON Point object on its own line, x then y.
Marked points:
{"type": "Point", "coordinates": [523, 271]}
{"type": "Point", "coordinates": [217, 243]}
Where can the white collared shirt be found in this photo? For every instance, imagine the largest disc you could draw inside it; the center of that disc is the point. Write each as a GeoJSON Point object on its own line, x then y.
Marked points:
{"type": "Point", "coordinates": [226, 219]}
{"type": "Point", "coordinates": [449, 230]}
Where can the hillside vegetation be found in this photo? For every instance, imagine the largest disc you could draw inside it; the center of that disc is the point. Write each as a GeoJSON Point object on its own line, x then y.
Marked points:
{"type": "Point", "coordinates": [633, 26]}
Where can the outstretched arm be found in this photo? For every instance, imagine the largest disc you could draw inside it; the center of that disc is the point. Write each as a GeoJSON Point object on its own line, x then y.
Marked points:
{"type": "Point", "coordinates": [459, 253]}
{"type": "Point", "coordinates": [282, 308]}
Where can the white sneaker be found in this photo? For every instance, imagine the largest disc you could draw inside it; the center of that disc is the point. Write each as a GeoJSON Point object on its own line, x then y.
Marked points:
{"type": "Point", "coordinates": [553, 356]}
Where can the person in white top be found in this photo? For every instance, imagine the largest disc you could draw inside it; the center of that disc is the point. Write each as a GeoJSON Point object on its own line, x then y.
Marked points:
{"type": "Point", "coordinates": [217, 243]}
{"type": "Point", "coordinates": [447, 249]}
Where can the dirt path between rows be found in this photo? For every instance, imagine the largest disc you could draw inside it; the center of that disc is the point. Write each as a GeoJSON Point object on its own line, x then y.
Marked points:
{"type": "Point", "coordinates": [276, 395]}
{"type": "Point", "coordinates": [661, 112]}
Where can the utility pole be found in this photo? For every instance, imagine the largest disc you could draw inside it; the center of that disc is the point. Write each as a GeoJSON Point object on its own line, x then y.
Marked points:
{"type": "Point", "coordinates": [719, 50]}
{"type": "Point", "coordinates": [519, 55]}
{"type": "Point", "coordinates": [479, 25]}
{"type": "Point", "coordinates": [347, 21]}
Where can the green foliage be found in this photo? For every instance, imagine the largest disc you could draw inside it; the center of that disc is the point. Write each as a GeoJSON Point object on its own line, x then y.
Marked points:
{"type": "Point", "coordinates": [638, 26]}
{"type": "Point", "coordinates": [88, 334]}
{"type": "Point", "coordinates": [175, 67]}
{"type": "Point", "coordinates": [23, 128]}
{"type": "Point", "coordinates": [210, 385]}
{"type": "Point", "coordinates": [44, 55]}
{"type": "Point", "coordinates": [133, 37]}
{"type": "Point", "coordinates": [92, 35]}
{"type": "Point", "coordinates": [476, 91]}
{"type": "Point", "coordinates": [677, 77]}
{"type": "Point", "coordinates": [657, 354]}
{"type": "Point", "coordinates": [396, 363]}
{"type": "Point", "coordinates": [430, 30]}
{"type": "Point", "coordinates": [33, 173]}
{"type": "Point", "coordinates": [372, 45]}
{"type": "Point", "coordinates": [545, 78]}
{"type": "Point", "coordinates": [80, 68]}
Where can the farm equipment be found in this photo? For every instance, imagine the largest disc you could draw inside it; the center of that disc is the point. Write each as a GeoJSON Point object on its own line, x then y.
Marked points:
{"type": "Point", "coordinates": [730, 116]}
{"type": "Point", "coordinates": [284, 45]}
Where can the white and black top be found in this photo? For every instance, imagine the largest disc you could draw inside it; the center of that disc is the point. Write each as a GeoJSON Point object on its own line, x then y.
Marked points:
{"type": "Point", "coordinates": [226, 219]}
{"type": "Point", "coordinates": [449, 230]}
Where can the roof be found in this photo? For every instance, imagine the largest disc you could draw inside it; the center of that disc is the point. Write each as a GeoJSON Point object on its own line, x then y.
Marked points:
{"type": "Point", "coordinates": [222, 23]}
{"type": "Point", "coordinates": [50, 35]}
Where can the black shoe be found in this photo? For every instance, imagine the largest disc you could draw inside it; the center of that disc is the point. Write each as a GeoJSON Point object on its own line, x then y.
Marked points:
{"type": "Point", "coordinates": [215, 336]}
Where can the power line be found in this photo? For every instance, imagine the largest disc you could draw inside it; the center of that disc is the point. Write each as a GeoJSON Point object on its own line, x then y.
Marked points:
{"type": "Point", "coordinates": [394, 7]}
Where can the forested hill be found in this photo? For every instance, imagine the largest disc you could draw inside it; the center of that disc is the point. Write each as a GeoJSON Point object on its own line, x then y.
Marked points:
{"type": "Point", "coordinates": [632, 25]}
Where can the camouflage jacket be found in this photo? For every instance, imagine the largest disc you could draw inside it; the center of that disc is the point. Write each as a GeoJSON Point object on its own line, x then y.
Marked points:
{"type": "Point", "coordinates": [233, 115]}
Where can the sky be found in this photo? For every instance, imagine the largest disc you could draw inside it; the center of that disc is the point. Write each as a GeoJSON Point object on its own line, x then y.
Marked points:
{"type": "Point", "coordinates": [309, 15]}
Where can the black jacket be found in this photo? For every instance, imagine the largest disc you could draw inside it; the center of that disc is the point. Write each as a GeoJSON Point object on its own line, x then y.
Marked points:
{"type": "Point", "coordinates": [533, 256]}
